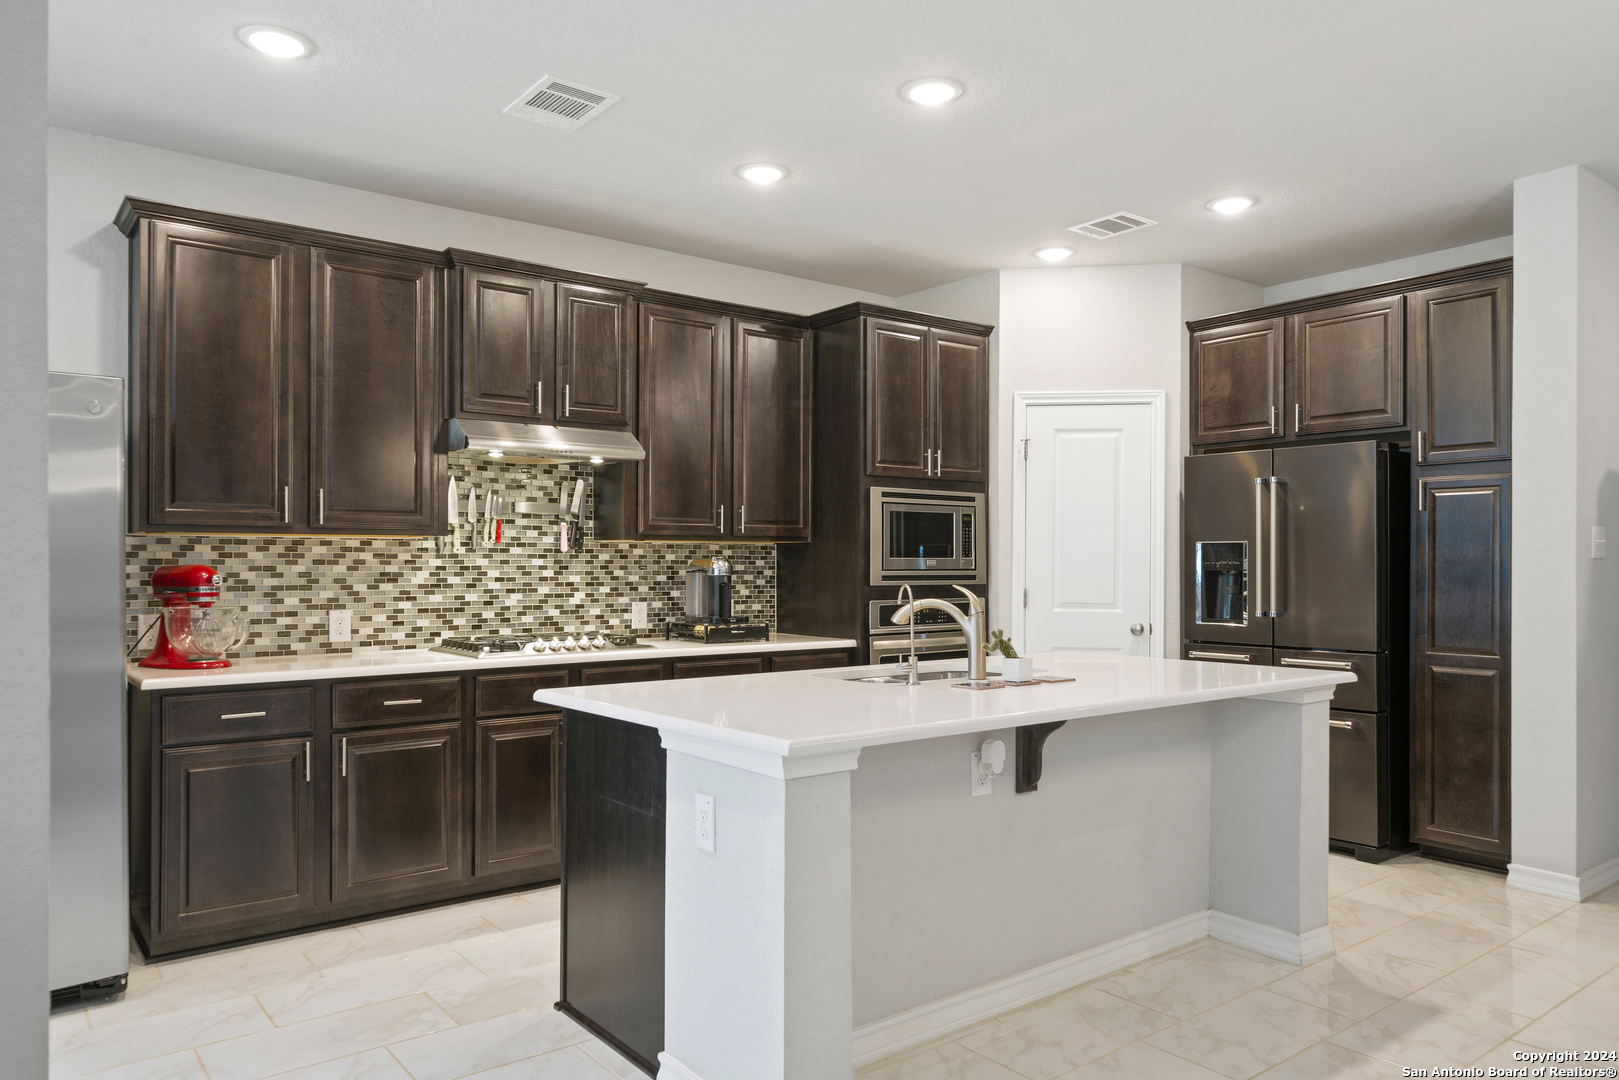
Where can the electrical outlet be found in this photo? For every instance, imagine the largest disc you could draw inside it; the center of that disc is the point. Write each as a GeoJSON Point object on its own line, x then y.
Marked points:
{"type": "Point", "coordinates": [638, 615]}
{"type": "Point", "coordinates": [705, 822]}
{"type": "Point", "coordinates": [982, 782]}
{"type": "Point", "coordinates": [337, 625]}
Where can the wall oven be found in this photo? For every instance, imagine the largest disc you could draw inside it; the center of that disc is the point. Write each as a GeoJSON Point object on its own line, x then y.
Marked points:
{"type": "Point", "coordinates": [926, 536]}
{"type": "Point", "coordinates": [937, 635]}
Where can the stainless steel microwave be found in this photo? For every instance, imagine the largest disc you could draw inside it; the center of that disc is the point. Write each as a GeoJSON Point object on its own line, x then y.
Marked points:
{"type": "Point", "coordinates": [926, 536]}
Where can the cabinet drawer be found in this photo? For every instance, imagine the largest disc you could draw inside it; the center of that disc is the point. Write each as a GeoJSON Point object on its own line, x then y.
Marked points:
{"type": "Point", "coordinates": [248, 714]}
{"type": "Point", "coordinates": [398, 701]}
{"type": "Point", "coordinates": [502, 695]}
{"type": "Point", "coordinates": [1366, 694]}
{"type": "Point", "coordinates": [809, 661]}
{"type": "Point", "coordinates": [703, 669]}
{"type": "Point", "coordinates": [620, 673]}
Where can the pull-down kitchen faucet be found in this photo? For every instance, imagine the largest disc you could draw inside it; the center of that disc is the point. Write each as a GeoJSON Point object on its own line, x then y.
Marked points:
{"type": "Point", "coordinates": [972, 624]}
{"type": "Point", "coordinates": [908, 597]}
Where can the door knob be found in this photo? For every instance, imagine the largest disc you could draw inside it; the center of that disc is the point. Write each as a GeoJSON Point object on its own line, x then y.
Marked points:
{"type": "Point", "coordinates": [1137, 629]}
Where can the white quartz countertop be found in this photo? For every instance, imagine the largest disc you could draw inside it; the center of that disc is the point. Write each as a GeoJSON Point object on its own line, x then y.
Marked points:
{"type": "Point", "coordinates": [813, 713]}
{"type": "Point", "coordinates": [418, 661]}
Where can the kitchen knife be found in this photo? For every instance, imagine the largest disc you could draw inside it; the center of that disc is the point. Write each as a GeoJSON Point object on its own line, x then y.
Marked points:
{"type": "Point", "coordinates": [578, 496]}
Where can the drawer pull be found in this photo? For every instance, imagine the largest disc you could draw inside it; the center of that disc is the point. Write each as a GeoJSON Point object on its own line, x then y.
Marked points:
{"type": "Point", "coordinates": [1341, 723]}
{"type": "Point", "coordinates": [1332, 665]}
{"type": "Point", "coordinates": [309, 753]}
{"type": "Point", "coordinates": [241, 715]}
{"type": "Point", "coordinates": [1244, 657]}
{"type": "Point", "coordinates": [345, 756]}
{"type": "Point", "coordinates": [405, 701]}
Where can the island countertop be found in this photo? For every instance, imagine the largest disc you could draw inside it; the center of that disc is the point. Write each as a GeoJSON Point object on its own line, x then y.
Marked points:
{"type": "Point", "coordinates": [803, 714]}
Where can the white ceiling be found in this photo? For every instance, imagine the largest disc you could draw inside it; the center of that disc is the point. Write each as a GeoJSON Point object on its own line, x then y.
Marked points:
{"type": "Point", "coordinates": [1370, 131]}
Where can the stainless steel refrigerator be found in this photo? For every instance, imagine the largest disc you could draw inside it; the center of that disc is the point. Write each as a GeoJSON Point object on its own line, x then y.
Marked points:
{"type": "Point", "coordinates": [1296, 557]}
{"type": "Point", "coordinates": [89, 931]}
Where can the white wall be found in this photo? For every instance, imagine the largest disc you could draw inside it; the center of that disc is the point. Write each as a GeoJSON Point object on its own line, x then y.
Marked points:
{"type": "Point", "coordinates": [88, 264]}
{"type": "Point", "coordinates": [1565, 475]}
{"type": "Point", "coordinates": [24, 678]}
{"type": "Point", "coordinates": [1427, 263]}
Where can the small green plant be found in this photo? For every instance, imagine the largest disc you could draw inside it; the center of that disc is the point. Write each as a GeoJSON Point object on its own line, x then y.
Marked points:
{"type": "Point", "coordinates": [998, 643]}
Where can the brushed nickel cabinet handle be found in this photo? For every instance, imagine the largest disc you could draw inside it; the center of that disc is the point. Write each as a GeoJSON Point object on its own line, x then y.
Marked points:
{"type": "Point", "coordinates": [1273, 420]}
{"type": "Point", "coordinates": [1422, 450]}
{"type": "Point", "coordinates": [345, 755]}
{"type": "Point", "coordinates": [722, 517]}
{"type": "Point", "coordinates": [1298, 418]}
{"type": "Point", "coordinates": [539, 397]}
{"type": "Point", "coordinates": [240, 715]}
{"type": "Point", "coordinates": [286, 504]}
{"type": "Point", "coordinates": [322, 498]}
{"type": "Point", "coordinates": [309, 752]}
{"type": "Point", "coordinates": [567, 400]}
{"type": "Point", "coordinates": [405, 701]}
{"type": "Point", "coordinates": [742, 518]}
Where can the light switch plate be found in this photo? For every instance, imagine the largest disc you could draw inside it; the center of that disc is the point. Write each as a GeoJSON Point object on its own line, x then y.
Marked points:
{"type": "Point", "coordinates": [337, 625]}
{"type": "Point", "coordinates": [705, 822]}
{"type": "Point", "coordinates": [638, 615]}
{"type": "Point", "coordinates": [982, 782]}
{"type": "Point", "coordinates": [1599, 541]}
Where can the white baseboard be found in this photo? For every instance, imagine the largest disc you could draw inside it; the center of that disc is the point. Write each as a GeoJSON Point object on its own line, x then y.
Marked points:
{"type": "Point", "coordinates": [1573, 887]}
{"type": "Point", "coordinates": [670, 1069]}
{"type": "Point", "coordinates": [936, 1019]}
{"type": "Point", "coordinates": [1305, 948]}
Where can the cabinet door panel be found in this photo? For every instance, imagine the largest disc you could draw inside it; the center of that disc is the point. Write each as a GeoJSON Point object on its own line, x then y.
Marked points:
{"type": "Point", "coordinates": [595, 356]}
{"type": "Point", "coordinates": [238, 834]}
{"type": "Point", "coordinates": [1461, 734]}
{"type": "Point", "coordinates": [518, 796]}
{"type": "Point", "coordinates": [398, 821]}
{"type": "Point", "coordinates": [708, 669]}
{"type": "Point", "coordinates": [1237, 383]}
{"type": "Point", "coordinates": [505, 343]}
{"type": "Point", "coordinates": [1462, 354]}
{"type": "Point", "coordinates": [1347, 367]}
{"type": "Point", "coordinates": [591, 675]}
{"type": "Point", "coordinates": [685, 478]}
{"type": "Point", "coordinates": [221, 354]}
{"type": "Point", "coordinates": [771, 389]}
{"type": "Point", "coordinates": [958, 393]}
{"type": "Point", "coordinates": [375, 393]}
{"type": "Point", "coordinates": [896, 399]}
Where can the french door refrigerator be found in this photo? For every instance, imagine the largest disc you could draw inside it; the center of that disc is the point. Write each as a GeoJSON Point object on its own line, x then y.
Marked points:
{"type": "Point", "coordinates": [1296, 557]}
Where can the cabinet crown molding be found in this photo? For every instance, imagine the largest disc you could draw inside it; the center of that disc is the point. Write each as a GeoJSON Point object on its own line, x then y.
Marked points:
{"type": "Point", "coordinates": [133, 211]}
{"type": "Point", "coordinates": [461, 257]}
{"type": "Point", "coordinates": [860, 308]}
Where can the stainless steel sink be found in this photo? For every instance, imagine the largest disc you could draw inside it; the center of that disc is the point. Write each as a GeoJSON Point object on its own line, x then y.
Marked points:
{"type": "Point", "coordinates": [900, 680]}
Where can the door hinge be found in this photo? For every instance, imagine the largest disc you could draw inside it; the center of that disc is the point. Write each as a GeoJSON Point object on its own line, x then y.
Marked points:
{"type": "Point", "coordinates": [1025, 449]}
{"type": "Point", "coordinates": [1025, 597]}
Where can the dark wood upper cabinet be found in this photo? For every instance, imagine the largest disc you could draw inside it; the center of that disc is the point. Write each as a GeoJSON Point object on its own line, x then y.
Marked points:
{"type": "Point", "coordinates": [1461, 768]}
{"type": "Point", "coordinates": [1236, 375]}
{"type": "Point", "coordinates": [958, 405]}
{"type": "Point", "coordinates": [505, 341]}
{"type": "Point", "coordinates": [375, 408]}
{"type": "Point", "coordinates": [218, 350]}
{"type": "Point", "coordinates": [684, 483]}
{"type": "Point", "coordinates": [1461, 348]}
{"type": "Point", "coordinates": [595, 351]}
{"type": "Point", "coordinates": [517, 795]}
{"type": "Point", "coordinates": [237, 834]}
{"type": "Point", "coordinates": [897, 429]}
{"type": "Point", "coordinates": [772, 421]}
{"type": "Point", "coordinates": [398, 825]}
{"type": "Point", "coordinates": [1346, 368]}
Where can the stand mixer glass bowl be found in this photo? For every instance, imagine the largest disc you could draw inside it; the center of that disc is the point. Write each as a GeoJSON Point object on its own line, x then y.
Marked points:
{"type": "Point", "coordinates": [204, 633]}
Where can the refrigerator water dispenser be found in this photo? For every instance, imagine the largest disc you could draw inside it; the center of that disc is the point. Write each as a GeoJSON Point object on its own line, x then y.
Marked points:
{"type": "Point", "coordinates": [1222, 583]}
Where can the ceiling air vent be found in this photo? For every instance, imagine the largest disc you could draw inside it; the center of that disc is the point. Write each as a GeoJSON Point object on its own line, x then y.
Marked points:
{"type": "Point", "coordinates": [1105, 228]}
{"type": "Point", "coordinates": [559, 104]}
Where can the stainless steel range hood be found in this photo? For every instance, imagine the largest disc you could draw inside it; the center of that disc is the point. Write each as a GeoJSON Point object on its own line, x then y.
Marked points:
{"type": "Point", "coordinates": [542, 442]}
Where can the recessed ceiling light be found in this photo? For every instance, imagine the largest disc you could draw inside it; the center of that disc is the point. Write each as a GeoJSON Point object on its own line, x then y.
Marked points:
{"type": "Point", "coordinates": [1232, 204]}
{"type": "Point", "coordinates": [276, 42]}
{"type": "Point", "coordinates": [931, 91]}
{"type": "Point", "coordinates": [761, 173]}
{"type": "Point", "coordinates": [1054, 254]}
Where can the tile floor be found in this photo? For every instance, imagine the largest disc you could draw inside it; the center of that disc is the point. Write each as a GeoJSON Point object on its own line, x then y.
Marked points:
{"type": "Point", "coordinates": [1437, 965]}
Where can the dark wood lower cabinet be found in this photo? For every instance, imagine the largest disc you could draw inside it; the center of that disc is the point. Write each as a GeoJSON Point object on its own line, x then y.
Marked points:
{"type": "Point", "coordinates": [238, 834]}
{"type": "Point", "coordinates": [1461, 766]}
{"type": "Point", "coordinates": [397, 821]}
{"type": "Point", "coordinates": [518, 785]}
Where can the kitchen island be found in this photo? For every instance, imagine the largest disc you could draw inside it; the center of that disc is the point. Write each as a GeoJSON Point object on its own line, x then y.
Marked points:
{"type": "Point", "coordinates": [859, 899]}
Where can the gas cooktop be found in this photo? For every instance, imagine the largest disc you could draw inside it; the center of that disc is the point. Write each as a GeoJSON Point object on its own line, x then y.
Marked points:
{"type": "Point", "coordinates": [494, 646]}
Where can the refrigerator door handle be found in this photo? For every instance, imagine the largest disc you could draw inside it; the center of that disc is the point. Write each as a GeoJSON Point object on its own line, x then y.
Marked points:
{"type": "Point", "coordinates": [1256, 573]}
{"type": "Point", "coordinates": [1274, 550]}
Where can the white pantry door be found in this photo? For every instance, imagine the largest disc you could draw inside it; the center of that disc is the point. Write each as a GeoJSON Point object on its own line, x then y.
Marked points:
{"type": "Point", "coordinates": [1088, 519]}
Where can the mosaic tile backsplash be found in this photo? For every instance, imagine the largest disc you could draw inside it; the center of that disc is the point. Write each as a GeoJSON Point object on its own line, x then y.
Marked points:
{"type": "Point", "coordinates": [405, 594]}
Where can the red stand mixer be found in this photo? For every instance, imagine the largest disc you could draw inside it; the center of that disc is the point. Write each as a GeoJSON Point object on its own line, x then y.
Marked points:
{"type": "Point", "coordinates": [192, 632]}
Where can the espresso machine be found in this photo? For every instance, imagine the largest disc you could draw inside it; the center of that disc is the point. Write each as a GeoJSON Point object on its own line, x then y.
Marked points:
{"type": "Point", "coordinates": [191, 631]}
{"type": "Point", "coordinates": [708, 606]}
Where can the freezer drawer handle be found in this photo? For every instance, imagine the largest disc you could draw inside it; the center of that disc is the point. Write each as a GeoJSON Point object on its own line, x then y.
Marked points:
{"type": "Point", "coordinates": [1332, 665]}
{"type": "Point", "coordinates": [1350, 724]}
{"type": "Point", "coordinates": [240, 715]}
{"type": "Point", "coordinates": [1246, 658]}
{"type": "Point", "coordinates": [405, 701]}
